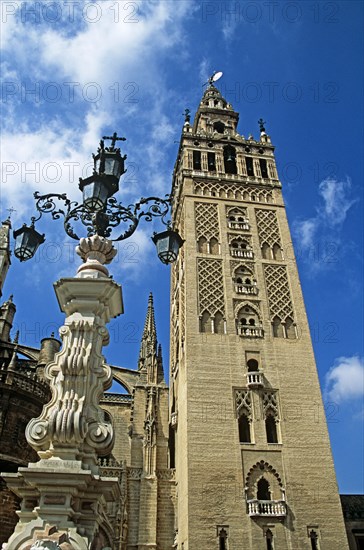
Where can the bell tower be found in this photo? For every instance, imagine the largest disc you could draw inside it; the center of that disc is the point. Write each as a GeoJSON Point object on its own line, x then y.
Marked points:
{"type": "Point", "coordinates": [249, 440]}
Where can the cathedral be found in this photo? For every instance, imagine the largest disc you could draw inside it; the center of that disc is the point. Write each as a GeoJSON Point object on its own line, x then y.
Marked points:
{"type": "Point", "coordinates": [234, 453]}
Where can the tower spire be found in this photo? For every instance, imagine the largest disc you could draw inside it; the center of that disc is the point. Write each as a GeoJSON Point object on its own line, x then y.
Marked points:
{"type": "Point", "coordinates": [148, 344]}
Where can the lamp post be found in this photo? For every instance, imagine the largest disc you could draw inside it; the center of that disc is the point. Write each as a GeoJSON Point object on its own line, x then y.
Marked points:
{"type": "Point", "coordinates": [63, 494]}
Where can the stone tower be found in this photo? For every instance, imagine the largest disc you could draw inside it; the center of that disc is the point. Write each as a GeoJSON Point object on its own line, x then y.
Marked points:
{"type": "Point", "coordinates": [250, 445]}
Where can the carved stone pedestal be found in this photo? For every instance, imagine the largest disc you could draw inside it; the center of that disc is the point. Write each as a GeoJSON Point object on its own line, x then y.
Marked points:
{"type": "Point", "coordinates": [64, 490]}
{"type": "Point", "coordinates": [60, 493]}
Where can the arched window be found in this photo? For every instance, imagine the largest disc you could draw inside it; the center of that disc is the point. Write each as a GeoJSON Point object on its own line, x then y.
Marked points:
{"type": "Point", "coordinates": [219, 127]}
{"type": "Point", "coordinates": [277, 328]}
{"type": "Point", "coordinates": [172, 447]}
{"type": "Point", "coordinates": [249, 166]}
{"type": "Point", "coordinates": [290, 329]}
{"type": "Point", "coordinates": [214, 246]}
{"type": "Point", "coordinates": [248, 323]}
{"type": "Point", "coordinates": [211, 163]}
{"type": "Point", "coordinates": [277, 252]}
{"type": "Point", "coordinates": [219, 327]}
{"type": "Point", "coordinates": [266, 251]}
{"type": "Point", "coordinates": [271, 429]}
{"type": "Point", "coordinates": [314, 540]}
{"type": "Point", "coordinates": [205, 322]}
{"type": "Point", "coordinates": [197, 160]}
{"type": "Point", "coordinates": [269, 538]}
{"type": "Point", "coordinates": [253, 365]}
{"type": "Point", "coordinates": [230, 159]}
{"type": "Point", "coordinates": [244, 429]}
{"type": "Point", "coordinates": [223, 540]}
{"type": "Point", "coordinates": [202, 245]}
{"type": "Point", "coordinates": [263, 492]}
{"type": "Point", "coordinates": [240, 248]}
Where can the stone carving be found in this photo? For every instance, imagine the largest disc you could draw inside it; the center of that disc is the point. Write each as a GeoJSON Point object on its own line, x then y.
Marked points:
{"type": "Point", "coordinates": [270, 403]}
{"type": "Point", "coordinates": [234, 192]}
{"type": "Point", "coordinates": [77, 379]}
{"type": "Point", "coordinates": [243, 403]}
{"type": "Point", "coordinates": [45, 545]}
{"type": "Point", "coordinates": [207, 221]}
{"type": "Point", "coordinates": [210, 287]}
{"type": "Point", "coordinates": [279, 296]}
{"type": "Point", "coordinates": [95, 252]}
{"type": "Point", "coordinates": [72, 424]}
{"type": "Point", "coordinates": [268, 230]}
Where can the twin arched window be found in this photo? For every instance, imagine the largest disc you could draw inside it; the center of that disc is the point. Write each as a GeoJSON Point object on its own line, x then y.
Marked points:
{"type": "Point", "coordinates": [230, 160]}
{"type": "Point", "coordinates": [212, 324]}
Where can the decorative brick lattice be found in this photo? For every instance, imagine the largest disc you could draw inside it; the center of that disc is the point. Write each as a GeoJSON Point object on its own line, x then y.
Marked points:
{"type": "Point", "coordinates": [243, 403]}
{"type": "Point", "coordinates": [270, 403]}
{"type": "Point", "coordinates": [245, 238]}
{"type": "Point", "coordinates": [248, 265]}
{"type": "Point", "coordinates": [210, 287]}
{"type": "Point", "coordinates": [207, 221]}
{"type": "Point", "coordinates": [279, 296]}
{"type": "Point", "coordinates": [182, 297]}
{"type": "Point", "coordinates": [268, 230]}
{"type": "Point", "coordinates": [233, 191]}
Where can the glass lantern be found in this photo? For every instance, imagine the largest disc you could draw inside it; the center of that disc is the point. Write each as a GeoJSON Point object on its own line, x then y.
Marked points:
{"type": "Point", "coordinates": [168, 244]}
{"type": "Point", "coordinates": [27, 240]}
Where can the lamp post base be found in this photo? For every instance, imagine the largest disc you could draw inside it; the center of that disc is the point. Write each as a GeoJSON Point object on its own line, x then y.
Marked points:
{"type": "Point", "coordinates": [80, 508]}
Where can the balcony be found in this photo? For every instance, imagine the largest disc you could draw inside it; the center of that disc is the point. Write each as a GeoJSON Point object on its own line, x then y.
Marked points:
{"type": "Point", "coordinates": [239, 253]}
{"type": "Point", "coordinates": [272, 508]}
{"type": "Point", "coordinates": [174, 420]}
{"type": "Point", "coordinates": [246, 289]}
{"type": "Point", "coordinates": [241, 226]}
{"type": "Point", "coordinates": [254, 379]}
{"type": "Point", "coordinates": [250, 331]}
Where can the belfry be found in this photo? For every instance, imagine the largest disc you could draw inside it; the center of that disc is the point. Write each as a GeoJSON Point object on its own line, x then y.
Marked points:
{"type": "Point", "coordinates": [252, 454]}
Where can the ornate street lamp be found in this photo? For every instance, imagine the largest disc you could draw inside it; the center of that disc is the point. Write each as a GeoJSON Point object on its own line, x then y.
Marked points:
{"type": "Point", "coordinates": [27, 240]}
{"type": "Point", "coordinates": [63, 493]}
{"type": "Point", "coordinates": [100, 212]}
{"type": "Point", "coordinates": [168, 244]}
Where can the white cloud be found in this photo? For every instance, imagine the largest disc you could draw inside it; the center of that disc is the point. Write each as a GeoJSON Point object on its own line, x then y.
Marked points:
{"type": "Point", "coordinates": [306, 231]}
{"type": "Point", "coordinates": [345, 380]}
{"type": "Point", "coordinates": [331, 214]}
{"type": "Point", "coordinates": [122, 53]}
{"type": "Point", "coordinates": [336, 202]}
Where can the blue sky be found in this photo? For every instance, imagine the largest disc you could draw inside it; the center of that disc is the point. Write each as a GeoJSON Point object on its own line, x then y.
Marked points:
{"type": "Point", "coordinates": [73, 71]}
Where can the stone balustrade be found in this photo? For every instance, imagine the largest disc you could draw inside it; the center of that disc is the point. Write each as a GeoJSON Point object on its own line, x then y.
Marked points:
{"type": "Point", "coordinates": [25, 380]}
{"type": "Point", "coordinates": [116, 398]}
{"type": "Point", "coordinates": [238, 253]}
{"type": "Point", "coordinates": [254, 379]}
{"type": "Point", "coordinates": [250, 331]}
{"type": "Point", "coordinates": [174, 420]}
{"type": "Point", "coordinates": [276, 508]}
{"type": "Point", "coordinates": [242, 226]}
{"type": "Point", "coordinates": [246, 289]}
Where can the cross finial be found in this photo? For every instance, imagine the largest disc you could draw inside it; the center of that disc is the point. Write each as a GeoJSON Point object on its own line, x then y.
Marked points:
{"type": "Point", "coordinates": [261, 123]}
{"type": "Point", "coordinates": [10, 210]}
{"type": "Point", "coordinates": [114, 138]}
{"type": "Point", "coordinates": [187, 115]}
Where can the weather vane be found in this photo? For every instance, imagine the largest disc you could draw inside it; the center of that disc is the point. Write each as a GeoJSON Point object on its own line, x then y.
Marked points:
{"type": "Point", "coordinates": [216, 75]}
{"type": "Point", "coordinates": [261, 123]}
{"type": "Point", "coordinates": [10, 210]}
{"type": "Point", "coordinates": [187, 115]}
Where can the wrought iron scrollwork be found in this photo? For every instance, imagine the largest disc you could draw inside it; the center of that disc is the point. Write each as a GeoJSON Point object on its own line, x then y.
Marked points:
{"type": "Point", "coordinates": [102, 222]}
